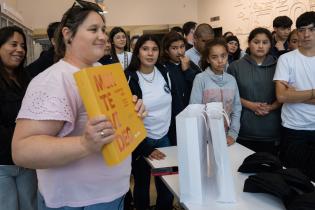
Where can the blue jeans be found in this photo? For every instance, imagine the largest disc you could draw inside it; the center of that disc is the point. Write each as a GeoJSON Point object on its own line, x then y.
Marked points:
{"type": "Point", "coordinates": [18, 187]}
{"type": "Point", "coordinates": [117, 204]}
{"type": "Point", "coordinates": [142, 174]}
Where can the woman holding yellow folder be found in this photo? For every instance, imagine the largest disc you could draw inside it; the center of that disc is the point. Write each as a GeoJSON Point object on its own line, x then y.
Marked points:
{"type": "Point", "coordinates": [53, 133]}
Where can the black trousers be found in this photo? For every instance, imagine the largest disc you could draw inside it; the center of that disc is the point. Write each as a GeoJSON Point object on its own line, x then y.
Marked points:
{"type": "Point", "coordinates": [259, 146]}
{"type": "Point", "coordinates": [142, 174]}
{"type": "Point", "coordinates": [298, 150]}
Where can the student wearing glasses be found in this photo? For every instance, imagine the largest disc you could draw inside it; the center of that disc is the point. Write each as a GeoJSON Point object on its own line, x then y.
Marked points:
{"type": "Point", "coordinates": [53, 133]}
{"type": "Point", "coordinates": [295, 88]}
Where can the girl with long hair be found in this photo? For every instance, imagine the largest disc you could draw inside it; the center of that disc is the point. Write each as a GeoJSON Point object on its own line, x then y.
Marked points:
{"type": "Point", "coordinates": [151, 82]}
{"type": "Point", "coordinates": [119, 41]}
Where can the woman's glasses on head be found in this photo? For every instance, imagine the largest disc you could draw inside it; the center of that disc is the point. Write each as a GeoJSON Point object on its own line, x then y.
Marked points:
{"type": "Point", "coordinates": [87, 5]}
{"type": "Point", "coordinates": [84, 5]}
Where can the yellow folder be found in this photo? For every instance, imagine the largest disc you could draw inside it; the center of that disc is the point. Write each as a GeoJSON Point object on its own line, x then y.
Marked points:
{"type": "Point", "coordinates": [104, 91]}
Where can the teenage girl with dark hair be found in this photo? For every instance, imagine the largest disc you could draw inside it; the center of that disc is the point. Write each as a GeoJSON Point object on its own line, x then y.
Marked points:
{"type": "Point", "coordinates": [152, 83]}
{"type": "Point", "coordinates": [215, 85]}
{"type": "Point", "coordinates": [119, 41]}
{"type": "Point", "coordinates": [182, 72]}
{"type": "Point", "coordinates": [260, 121]}
{"type": "Point", "coordinates": [234, 49]}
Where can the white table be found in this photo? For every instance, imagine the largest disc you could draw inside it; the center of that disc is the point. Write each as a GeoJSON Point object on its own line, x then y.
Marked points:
{"type": "Point", "coordinates": [245, 201]}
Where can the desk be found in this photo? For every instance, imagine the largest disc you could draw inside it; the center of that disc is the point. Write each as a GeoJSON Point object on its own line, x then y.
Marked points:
{"type": "Point", "coordinates": [170, 160]}
{"type": "Point", "coordinates": [245, 201]}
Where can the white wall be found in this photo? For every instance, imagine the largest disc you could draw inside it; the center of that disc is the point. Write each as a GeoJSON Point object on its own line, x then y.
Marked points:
{"type": "Point", "coordinates": [150, 12]}
{"type": "Point", "coordinates": [241, 16]}
{"type": "Point", "coordinates": [39, 13]}
{"type": "Point", "coordinates": [10, 2]}
{"type": "Point", "coordinates": [238, 16]}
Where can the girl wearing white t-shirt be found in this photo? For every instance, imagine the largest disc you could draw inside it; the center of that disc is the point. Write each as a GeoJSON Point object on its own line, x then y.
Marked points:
{"type": "Point", "coordinates": [119, 41]}
{"type": "Point", "coordinates": [150, 82]}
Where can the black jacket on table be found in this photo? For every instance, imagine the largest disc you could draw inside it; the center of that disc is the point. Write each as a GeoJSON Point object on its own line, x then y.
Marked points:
{"type": "Point", "coordinates": [182, 82]}
{"type": "Point", "coordinates": [10, 103]}
{"type": "Point", "coordinates": [144, 149]}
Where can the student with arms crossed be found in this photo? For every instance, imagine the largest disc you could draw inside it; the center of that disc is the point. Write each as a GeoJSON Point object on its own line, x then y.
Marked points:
{"type": "Point", "coordinates": [295, 88]}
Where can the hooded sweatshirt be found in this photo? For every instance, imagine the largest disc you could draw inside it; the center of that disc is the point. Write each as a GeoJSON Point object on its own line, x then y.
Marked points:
{"type": "Point", "coordinates": [209, 87]}
{"type": "Point", "coordinates": [255, 83]}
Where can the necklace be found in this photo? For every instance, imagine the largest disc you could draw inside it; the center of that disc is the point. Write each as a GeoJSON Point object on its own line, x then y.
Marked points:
{"type": "Point", "coordinates": [148, 80]}
{"type": "Point", "coordinates": [125, 60]}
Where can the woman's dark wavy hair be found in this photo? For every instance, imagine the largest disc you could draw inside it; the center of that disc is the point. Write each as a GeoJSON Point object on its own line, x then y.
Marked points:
{"type": "Point", "coordinates": [209, 45]}
{"type": "Point", "coordinates": [135, 61]}
{"type": "Point", "coordinates": [112, 33]}
{"type": "Point", "coordinates": [237, 54]}
{"type": "Point", "coordinates": [168, 39]}
{"type": "Point", "coordinates": [254, 33]}
{"type": "Point", "coordinates": [72, 19]}
{"type": "Point", "coordinates": [21, 76]}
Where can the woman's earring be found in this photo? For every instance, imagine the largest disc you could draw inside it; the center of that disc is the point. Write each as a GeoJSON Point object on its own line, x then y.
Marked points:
{"type": "Point", "coordinates": [69, 41]}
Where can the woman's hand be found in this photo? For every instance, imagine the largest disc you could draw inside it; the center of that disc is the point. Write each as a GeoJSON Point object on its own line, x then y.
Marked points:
{"type": "Point", "coordinates": [157, 155]}
{"type": "Point", "coordinates": [98, 132]}
{"type": "Point", "coordinates": [139, 108]}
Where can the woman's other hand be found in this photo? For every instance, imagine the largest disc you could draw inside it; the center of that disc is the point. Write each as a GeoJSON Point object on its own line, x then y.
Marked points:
{"type": "Point", "coordinates": [139, 108]}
